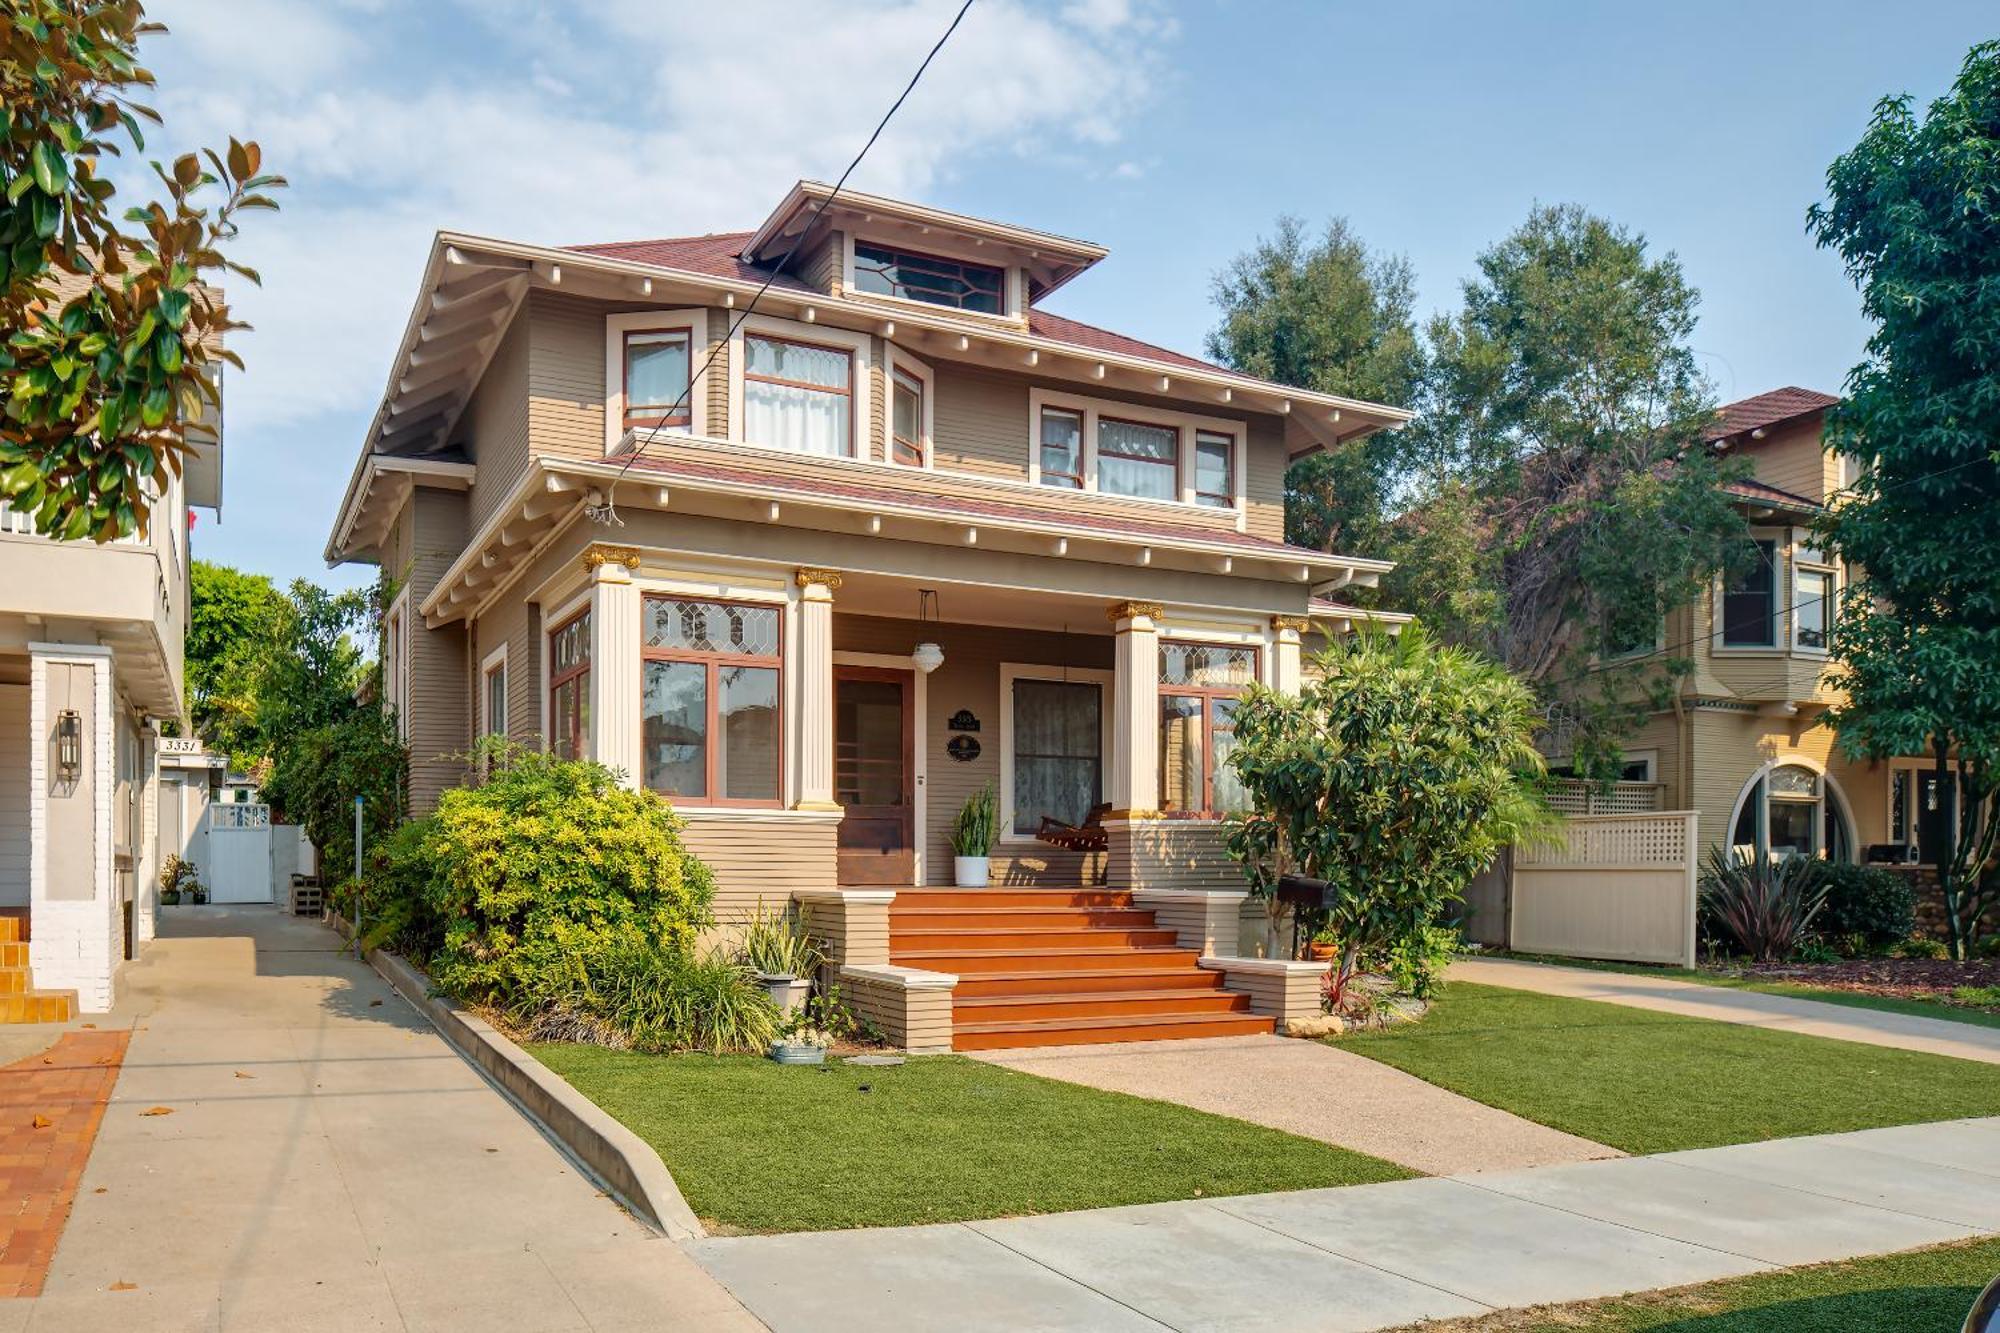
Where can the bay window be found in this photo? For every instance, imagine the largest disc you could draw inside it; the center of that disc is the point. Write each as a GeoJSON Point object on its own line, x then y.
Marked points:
{"type": "Point", "coordinates": [711, 729]}
{"type": "Point", "coordinates": [1201, 685]}
{"type": "Point", "coordinates": [906, 420]}
{"type": "Point", "coordinates": [569, 688]}
{"type": "Point", "coordinates": [1750, 603]}
{"type": "Point", "coordinates": [657, 365]}
{"type": "Point", "coordinates": [798, 396]}
{"type": "Point", "coordinates": [1815, 591]}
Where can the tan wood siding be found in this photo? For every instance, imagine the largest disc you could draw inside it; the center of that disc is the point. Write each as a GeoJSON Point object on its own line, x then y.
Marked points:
{"type": "Point", "coordinates": [820, 265]}
{"type": "Point", "coordinates": [1792, 458]}
{"type": "Point", "coordinates": [494, 429]}
{"type": "Point", "coordinates": [760, 858]}
{"type": "Point", "coordinates": [439, 726]}
{"type": "Point", "coordinates": [566, 375]}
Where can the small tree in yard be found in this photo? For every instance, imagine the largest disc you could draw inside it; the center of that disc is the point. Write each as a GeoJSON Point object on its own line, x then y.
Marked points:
{"type": "Point", "coordinates": [1395, 777]}
{"type": "Point", "coordinates": [1914, 210]}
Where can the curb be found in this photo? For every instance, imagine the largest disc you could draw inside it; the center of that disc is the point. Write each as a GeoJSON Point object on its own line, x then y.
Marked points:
{"type": "Point", "coordinates": [620, 1160]}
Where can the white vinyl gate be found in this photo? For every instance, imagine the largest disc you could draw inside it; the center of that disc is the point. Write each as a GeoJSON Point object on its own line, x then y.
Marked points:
{"type": "Point", "coordinates": [1616, 887]}
{"type": "Point", "coordinates": [239, 854]}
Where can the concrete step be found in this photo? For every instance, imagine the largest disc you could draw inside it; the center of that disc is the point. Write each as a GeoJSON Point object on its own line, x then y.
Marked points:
{"type": "Point", "coordinates": [1079, 897]}
{"type": "Point", "coordinates": [1046, 938]}
{"type": "Point", "coordinates": [38, 1007]}
{"type": "Point", "coordinates": [991, 918]}
{"type": "Point", "coordinates": [1172, 976]}
{"type": "Point", "coordinates": [1093, 1030]}
{"type": "Point", "coordinates": [1083, 959]}
{"type": "Point", "coordinates": [982, 1009]}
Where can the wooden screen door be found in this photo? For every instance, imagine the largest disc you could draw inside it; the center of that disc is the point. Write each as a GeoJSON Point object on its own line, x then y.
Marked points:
{"type": "Point", "coordinates": [874, 775]}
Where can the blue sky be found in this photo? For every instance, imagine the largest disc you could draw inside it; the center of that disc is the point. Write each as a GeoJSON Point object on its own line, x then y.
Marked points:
{"type": "Point", "coordinates": [1173, 134]}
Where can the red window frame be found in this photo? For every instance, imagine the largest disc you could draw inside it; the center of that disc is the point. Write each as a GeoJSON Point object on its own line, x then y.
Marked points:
{"type": "Point", "coordinates": [579, 700]}
{"type": "Point", "coordinates": [1216, 499]}
{"type": "Point", "coordinates": [1082, 423]}
{"type": "Point", "coordinates": [853, 428]}
{"type": "Point", "coordinates": [683, 419]}
{"type": "Point", "coordinates": [1103, 453]}
{"type": "Point", "coordinates": [1207, 695]}
{"type": "Point", "coordinates": [898, 446]}
{"type": "Point", "coordinates": [712, 696]}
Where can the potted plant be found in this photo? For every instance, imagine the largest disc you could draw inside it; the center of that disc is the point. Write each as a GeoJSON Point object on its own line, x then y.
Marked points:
{"type": "Point", "coordinates": [783, 956]}
{"type": "Point", "coordinates": [972, 840]}
{"type": "Point", "coordinates": [803, 1044]}
{"type": "Point", "coordinates": [178, 881]}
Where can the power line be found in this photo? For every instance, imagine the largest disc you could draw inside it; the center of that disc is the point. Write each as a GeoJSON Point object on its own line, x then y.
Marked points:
{"type": "Point", "coordinates": [607, 513]}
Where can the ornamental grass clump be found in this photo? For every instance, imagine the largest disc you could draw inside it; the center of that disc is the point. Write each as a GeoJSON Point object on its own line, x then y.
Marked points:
{"type": "Point", "coordinates": [1764, 904]}
{"type": "Point", "coordinates": [641, 997]}
{"type": "Point", "coordinates": [777, 945]}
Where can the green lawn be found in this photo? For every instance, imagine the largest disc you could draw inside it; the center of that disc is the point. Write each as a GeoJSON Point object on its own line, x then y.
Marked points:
{"type": "Point", "coordinates": [757, 1146]}
{"type": "Point", "coordinates": [1853, 999]}
{"type": "Point", "coordinates": [1649, 1082]}
{"type": "Point", "coordinates": [1924, 1291]}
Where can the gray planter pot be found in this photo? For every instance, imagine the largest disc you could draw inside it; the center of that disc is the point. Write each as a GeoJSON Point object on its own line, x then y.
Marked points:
{"type": "Point", "coordinates": [792, 1053]}
{"type": "Point", "coordinates": [971, 872]}
{"type": "Point", "coordinates": [787, 992]}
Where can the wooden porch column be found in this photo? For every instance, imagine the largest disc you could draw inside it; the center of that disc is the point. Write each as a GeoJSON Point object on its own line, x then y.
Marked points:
{"type": "Point", "coordinates": [614, 662]}
{"type": "Point", "coordinates": [1135, 709]}
{"type": "Point", "coordinates": [813, 668]}
{"type": "Point", "coordinates": [1286, 671]}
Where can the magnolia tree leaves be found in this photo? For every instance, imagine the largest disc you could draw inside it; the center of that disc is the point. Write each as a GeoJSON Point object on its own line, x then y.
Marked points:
{"type": "Point", "coordinates": [115, 327]}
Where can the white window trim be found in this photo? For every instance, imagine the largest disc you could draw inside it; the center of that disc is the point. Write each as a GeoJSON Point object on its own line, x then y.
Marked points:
{"type": "Point", "coordinates": [1012, 288]}
{"type": "Point", "coordinates": [1829, 790]}
{"type": "Point", "coordinates": [1013, 671]}
{"type": "Point", "coordinates": [396, 674]}
{"type": "Point", "coordinates": [1799, 565]}
{"type": "Point", "coordinates": [496, 658]}
{"type": "Point", "coordinates": [1781, 602]}
{"type": "Point", "coordinates": [859, 381]}
{"type": "Point", "coordinates": [1184, 424]}
{"type": "Point", "coordinates": [895, 359]}
{"type": "Point", "coordinates": [615, 329]}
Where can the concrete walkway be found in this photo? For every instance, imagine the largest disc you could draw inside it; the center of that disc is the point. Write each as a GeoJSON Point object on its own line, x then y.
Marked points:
{"type": "Point", "coordinates": [290, 1146]}
{"type": "Point", "coordinates": [1870, 1027]}
{"type": "Point", "coordinates": [1316, 1091]}
{"type": "Point", "coordinates": [1382, 1256]}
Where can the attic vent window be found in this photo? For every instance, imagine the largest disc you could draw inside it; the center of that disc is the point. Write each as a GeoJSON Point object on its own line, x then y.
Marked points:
{"type": "Point", "coordinates": [928, 278]}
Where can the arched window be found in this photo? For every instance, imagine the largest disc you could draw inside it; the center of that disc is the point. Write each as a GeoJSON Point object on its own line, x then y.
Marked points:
{"type": "Point", "coordinates": [1789, 810]}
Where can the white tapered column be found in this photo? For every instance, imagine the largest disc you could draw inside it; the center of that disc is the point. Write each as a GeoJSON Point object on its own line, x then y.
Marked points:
{"type": "Point", "coordinates": [1287, 671]}
{"type": "Point", "coordinates": [813, 669]}
{"type": "Point", "coordinates": [1135, 705]}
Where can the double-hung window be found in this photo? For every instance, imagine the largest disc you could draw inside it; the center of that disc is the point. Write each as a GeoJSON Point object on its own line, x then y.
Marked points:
{"type": "Point", "coordinates": [1200, 687]}
{"type": "Point", "coordinates": [1750, 603]}
{"type": "Point", "coordinates": [798, 396]}
{"type": "Point", "coordinates": [711, 729]}
{"type": "Point", "coordinates": [569, 688]}
{"type": "Point", "coordinates": [1815, 591]}
{"type": "Point", "coordinates": [657, 365]}
{"type": "Point", "coordinates": [1062, 448]}
{"type": "Point", "coordinates": [1214, 470]}
{"type": "Point", "coordinates": [1139, 459]}
{"type": "Point", "coordinates": [495, 720]}
{"type": "Point", "coordinates": [906, 420]}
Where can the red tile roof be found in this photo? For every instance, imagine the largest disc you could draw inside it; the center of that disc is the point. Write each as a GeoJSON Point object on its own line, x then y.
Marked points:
{"type": "Point", "coordinates": [1757, 490]}
{"type": "Point", "coordinates": [716, 255]}
{"type": "Point", "coordinates": [966, 507]}
{"type": "Point", "coordinates": [1768, 409]}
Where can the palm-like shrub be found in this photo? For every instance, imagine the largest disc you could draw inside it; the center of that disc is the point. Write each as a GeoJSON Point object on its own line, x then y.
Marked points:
{"type": "Point", "coordinates": [972, 834]}
{"type": "Point", "coordinates": [778, 945]}
{"type": "Point", "coordinates": [1765, 905]}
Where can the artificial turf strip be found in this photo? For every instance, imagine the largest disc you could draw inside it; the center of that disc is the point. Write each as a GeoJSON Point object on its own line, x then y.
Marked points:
{"type": "Point", "coordinates": [1921, 1291]}
{"type": "Point", "coordinates": [757, 1146]}
{"type": "Point", "coordinates": [1888, 1004]}
{"type": "Point", "coordinates": [1649, 1082]}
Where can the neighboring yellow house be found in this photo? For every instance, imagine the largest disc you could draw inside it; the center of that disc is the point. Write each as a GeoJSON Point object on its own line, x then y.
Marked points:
{"type": "Point", "coordinates": [1746, 743]}
{"type": "Point", "coordinates": [897, 534]}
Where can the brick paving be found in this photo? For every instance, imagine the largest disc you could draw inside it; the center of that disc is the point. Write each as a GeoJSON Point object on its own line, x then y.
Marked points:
{"type": "Point", "coordinates": [40, 1164]}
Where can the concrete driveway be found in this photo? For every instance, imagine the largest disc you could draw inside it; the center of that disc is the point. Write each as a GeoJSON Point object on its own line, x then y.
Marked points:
{"type": "Point", "coordinates": [289, 1145]}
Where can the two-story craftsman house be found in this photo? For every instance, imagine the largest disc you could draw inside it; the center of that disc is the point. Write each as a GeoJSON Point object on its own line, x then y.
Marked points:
{"type": "Point", "coordinates": [894, 535]}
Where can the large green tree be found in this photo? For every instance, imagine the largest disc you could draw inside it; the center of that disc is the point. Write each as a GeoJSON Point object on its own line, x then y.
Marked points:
{"type": "Point", "coordinates": [1325, 313]}
{"type": "Point", "coordinates": [1914, 210]}
{"type": "Point", "coordinates": [114, 322]}
{"type": "Point", "coordinates": [1563, 500]}
{"type": "Point", "coordinates": [236, 625]}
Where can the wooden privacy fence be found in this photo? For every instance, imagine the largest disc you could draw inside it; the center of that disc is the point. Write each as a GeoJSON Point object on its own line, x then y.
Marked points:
{"type": "Point", "coordinates": [1618, 887]}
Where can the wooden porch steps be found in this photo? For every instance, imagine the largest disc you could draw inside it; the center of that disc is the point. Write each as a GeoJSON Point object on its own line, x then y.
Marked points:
{"type": "Point", "coordinates": [1056, 967]}
{"type": "Point", "coordinates": [20, 1002]}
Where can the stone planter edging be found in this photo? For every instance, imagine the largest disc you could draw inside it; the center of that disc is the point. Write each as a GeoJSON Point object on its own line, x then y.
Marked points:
{"type": "Point", "coordinates": [625, 1164]}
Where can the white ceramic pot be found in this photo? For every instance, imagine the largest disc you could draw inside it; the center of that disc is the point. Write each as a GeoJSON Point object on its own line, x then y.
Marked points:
{"type": "Point", "coordinates": [787, 992]}
{"type": "Point", "coordinates": [971, 872]}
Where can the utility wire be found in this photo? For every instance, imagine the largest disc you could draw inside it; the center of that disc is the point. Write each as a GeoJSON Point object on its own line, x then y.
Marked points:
{"type": "Point", "coordinates": [607, 513]}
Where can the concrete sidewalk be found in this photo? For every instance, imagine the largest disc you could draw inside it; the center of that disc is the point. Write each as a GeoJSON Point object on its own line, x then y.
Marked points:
{"type": "Point", "coordinates": [291, 1146]}
{"type": "Point", "coordinates": [1382, 1256]}
{"type": "Point", "coordinates": [1318, 1091]}
{"type": "Point", "coordinates": [1870, 1027]}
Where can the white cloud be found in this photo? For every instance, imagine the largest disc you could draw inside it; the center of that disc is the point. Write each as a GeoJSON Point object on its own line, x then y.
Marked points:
{"type": "Point", "coordinates": [638, 119]}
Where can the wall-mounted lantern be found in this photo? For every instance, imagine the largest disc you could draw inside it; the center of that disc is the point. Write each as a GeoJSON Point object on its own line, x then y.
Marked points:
{"type": "Point", "coordinates": [69, 746]}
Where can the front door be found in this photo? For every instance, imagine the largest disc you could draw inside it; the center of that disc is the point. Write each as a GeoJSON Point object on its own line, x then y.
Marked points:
{"type": "Point", "coordinates": [873, 775]}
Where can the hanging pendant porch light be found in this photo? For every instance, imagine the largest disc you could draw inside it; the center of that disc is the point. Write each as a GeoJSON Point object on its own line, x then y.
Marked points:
{"type": "Point", "coordinates": [927, 656]}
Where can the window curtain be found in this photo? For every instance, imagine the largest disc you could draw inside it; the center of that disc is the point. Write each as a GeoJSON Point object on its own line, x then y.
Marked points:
{"type": "Point", "coordinates": [1150, 473]}
{"type": "Point", "coordinates": [1057, 763]}
{"type": "Point", "coordinates": [806, 420]}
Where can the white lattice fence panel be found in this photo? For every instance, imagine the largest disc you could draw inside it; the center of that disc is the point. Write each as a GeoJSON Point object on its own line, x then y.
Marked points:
{"type": "Point", "coordinates": [1617, 840]}
{"type": "Point", "coordinates": [1578, 796]}
{"type": "Point", "coordinates": [1617, 886]}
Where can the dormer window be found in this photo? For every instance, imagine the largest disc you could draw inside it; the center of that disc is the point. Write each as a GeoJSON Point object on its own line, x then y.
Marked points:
{"type": "Point", "coordinates": [931, 279]}
{"type": "Point", "coordinates": [657, 364]}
